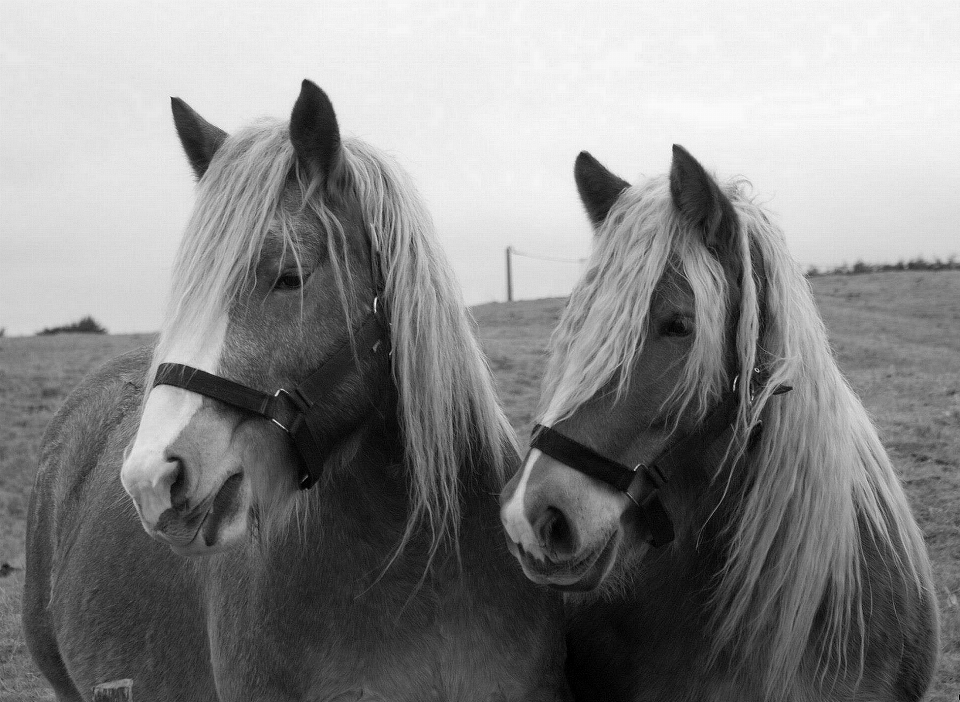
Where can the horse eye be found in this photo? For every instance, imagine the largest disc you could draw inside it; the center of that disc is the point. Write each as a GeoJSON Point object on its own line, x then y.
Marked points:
{"type": "Point", "coordinates": [677, 326]}
{"type": "Point", "coordinates": [289, 281]}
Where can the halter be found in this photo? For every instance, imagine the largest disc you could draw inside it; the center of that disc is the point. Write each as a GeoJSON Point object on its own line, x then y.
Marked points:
{"type": "Point", "coordinates": [643, 482]}
{"type": "Point", "coordinates": [299, 411]}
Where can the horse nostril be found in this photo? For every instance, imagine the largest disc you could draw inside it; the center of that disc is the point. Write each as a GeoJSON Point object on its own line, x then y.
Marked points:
{"type": "Point", "coordinates": [178, 486]}
{"type": "Point", "coordinates": [555, 533]}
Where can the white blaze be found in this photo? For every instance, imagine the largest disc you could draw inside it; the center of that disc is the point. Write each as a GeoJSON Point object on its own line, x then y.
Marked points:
{"type": "Point", "coordinates": [146, 472]}
{"type": "Point", "coordinates": [513, 515]}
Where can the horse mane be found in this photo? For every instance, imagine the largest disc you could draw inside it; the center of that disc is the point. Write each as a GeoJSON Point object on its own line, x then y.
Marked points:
{"type": "Point", "coordinates": [450, 412]}
{"type": "Point", "coordinates": [818, 481]}
{"type": "Point", "coordinates": [450, 415]}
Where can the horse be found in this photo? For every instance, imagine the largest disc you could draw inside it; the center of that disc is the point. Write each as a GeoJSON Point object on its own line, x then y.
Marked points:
{"type": "Point", "coordinates": [314, 336]}
{"type": "Point", "coordinates": [702, 483]}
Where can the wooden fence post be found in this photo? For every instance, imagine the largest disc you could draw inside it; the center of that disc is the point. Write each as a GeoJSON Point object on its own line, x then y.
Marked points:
{"type": "Point", "coordinates": [116, 691]}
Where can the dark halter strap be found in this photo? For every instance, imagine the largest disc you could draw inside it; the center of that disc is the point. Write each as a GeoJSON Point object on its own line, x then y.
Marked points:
{"type": "Point", "coordinates": [297, 411]}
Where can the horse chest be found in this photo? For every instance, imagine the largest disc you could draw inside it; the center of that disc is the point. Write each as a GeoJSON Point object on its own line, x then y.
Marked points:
{"type": "Point", "coordinates": [390, 665]}
{"type": "Point", "coordinates": [351, 638]}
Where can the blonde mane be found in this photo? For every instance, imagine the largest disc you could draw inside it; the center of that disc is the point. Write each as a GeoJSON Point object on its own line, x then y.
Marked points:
{"type": "Point", "coordinates": [450, 416]}
{"type": "Point", "coordinates": [817, 477]}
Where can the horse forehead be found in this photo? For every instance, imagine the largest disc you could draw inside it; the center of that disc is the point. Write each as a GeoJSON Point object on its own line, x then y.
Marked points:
{"type": "Point", "coordinates": [276, 246]}
{"type": "Point", "coordinates": [297, 234]}
{"type": "Point", "coordinates": [197, 347]}
{"type": "Point", "coordinates": [306, 220]}
{"type": "Point", "coordinates": [673, 289]}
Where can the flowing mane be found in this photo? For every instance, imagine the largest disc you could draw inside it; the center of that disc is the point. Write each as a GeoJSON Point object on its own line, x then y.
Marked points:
{"type": "Point", "coordinates": [819, 485]}
{"type": "Point", "coordinates": [238, 207]}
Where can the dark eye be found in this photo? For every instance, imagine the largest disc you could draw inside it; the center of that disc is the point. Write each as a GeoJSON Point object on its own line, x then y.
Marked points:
{"type": "Point", "coordinates": [677, 326]}
{"type": "Point", "coordinates": [291, 280]}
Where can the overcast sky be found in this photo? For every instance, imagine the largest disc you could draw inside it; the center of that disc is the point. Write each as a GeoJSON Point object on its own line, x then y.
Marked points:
{"type": "Point", "coordinates": [845, 117]}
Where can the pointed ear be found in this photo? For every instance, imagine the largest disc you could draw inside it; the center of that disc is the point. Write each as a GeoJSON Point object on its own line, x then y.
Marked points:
{"type": "Point", "coordinates": [200, 139]}
{"type": "Point", "coordinates": [598, 187]}
{"type": "Point", "coordinates": [314, 131]}
{"type": "Point", "coordinates": [701, 202]}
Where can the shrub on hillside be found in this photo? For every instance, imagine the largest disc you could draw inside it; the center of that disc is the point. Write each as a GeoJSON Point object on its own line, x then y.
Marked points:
{"type": "Point", "coordinates": [87, 325]}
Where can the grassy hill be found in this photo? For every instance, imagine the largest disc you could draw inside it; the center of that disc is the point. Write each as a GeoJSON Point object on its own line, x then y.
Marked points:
{"type": "Point", "coordinates": [896, 336]}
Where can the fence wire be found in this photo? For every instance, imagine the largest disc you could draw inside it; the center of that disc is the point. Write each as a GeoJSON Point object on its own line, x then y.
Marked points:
{"type": "Point", "coordinates": [558, 259]}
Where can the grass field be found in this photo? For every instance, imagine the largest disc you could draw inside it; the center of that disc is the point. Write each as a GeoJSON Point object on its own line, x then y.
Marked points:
{"type": "Point", "coordinates": [897, 337]}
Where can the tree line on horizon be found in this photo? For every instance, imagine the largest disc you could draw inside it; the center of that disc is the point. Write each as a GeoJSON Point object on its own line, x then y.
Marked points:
{"type": "Point", "coordinates": [86, 325]}
{"type": "Point", "coordinates": [915, 264]}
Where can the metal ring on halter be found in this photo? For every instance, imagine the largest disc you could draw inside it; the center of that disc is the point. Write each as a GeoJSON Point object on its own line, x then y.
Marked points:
{"type": "Point", "coordinates": [736, 381]}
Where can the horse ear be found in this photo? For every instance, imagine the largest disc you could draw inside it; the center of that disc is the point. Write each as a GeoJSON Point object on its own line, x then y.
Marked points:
{"type": "Point", "coordinates": [700, 201]}
{"type": "Point", "coordinates": [314, 131]}
{"type": "Point", "coordinates": [199, 138]}
{"type": "Point", "coordinates": [598, 187]}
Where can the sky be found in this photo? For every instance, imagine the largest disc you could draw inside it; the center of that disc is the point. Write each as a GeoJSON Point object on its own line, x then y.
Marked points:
{"type": "Point", "coordinates": [843, 116]}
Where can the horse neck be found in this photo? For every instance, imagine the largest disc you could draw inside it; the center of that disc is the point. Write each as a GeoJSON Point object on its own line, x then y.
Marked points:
{"type": "Point", "coordinates": [364, 498]}
{"type": "Point", "coordinates": [354, 519]}
{"type": "Point", "coordinates": [699, 497]}
{"type": "Point", "coordinates": [679, 577]}
{"type": "Point", "coordinates": [656, 619]}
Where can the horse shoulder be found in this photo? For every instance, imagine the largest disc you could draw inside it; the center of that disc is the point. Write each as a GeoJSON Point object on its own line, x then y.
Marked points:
{"type": "Point", "coordinates": [70, 449]}
{"type": "Point", "coordinates": [72, 446]}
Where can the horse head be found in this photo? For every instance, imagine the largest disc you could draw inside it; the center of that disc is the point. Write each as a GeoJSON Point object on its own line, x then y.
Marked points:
{"type": "Point", "coordinates": [640, 359]}
{"type": "Point", "coordinates": [275, 273]}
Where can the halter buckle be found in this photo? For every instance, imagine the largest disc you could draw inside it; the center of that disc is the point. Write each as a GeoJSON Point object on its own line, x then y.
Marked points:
{"type": "Point", "coordinates": [378, 310]}
{"type": "Point", "coordinates": [290, 399]}
{"type": "Point", "coordinates": [631, 487]}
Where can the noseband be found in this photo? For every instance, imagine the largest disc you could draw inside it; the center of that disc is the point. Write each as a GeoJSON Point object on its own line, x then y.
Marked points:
{"type": "Point", "coordinates": [643, 482]}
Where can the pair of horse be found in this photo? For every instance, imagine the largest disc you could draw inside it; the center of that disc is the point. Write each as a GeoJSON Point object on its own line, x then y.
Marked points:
{"type": "Point", "coordinates": [317, 419]}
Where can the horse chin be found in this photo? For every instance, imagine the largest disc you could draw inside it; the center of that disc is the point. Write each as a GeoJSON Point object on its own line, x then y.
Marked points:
{"type": "Point", "coordinates": [223, 525]}
{"type": "Point", "coordinates": [198, 549]}
{"type": "Point", "coordinates": [583, 573]}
